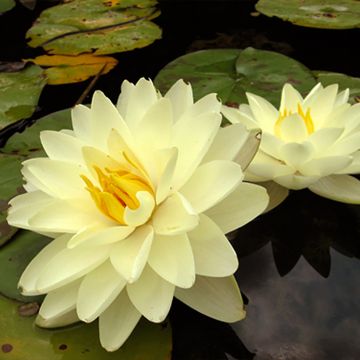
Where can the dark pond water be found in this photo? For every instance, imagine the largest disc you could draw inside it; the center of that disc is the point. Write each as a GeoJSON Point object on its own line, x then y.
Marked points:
{"type": "Point", "coordinates": [299, 269]}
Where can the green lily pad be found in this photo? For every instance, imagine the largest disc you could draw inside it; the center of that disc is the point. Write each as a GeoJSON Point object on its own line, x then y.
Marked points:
{"type": "Point", "coordinates": [20, 339]}
{"type": "Point", "coordinates": [102, 27]}
{"type": "Point", "coordinates": [344, 81]}
{"type": "Point", "coordinates": [19, 94]}
{"type": "Point", "coordinates": [6, 5]}
{"type": "Point", "coordinates": [10, 185]}
{"type": "Point", "coordinates": [330, 14]}
{"type": "Point", "coordinates": [14, 257]}
{"type": "Point", "coordinates": [231, 73]}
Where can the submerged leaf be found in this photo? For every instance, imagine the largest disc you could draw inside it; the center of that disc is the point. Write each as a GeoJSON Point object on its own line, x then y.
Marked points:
{"type": "Point", "coordinates": [98, 26]}
{"type": "Point", "coordinates": [19, 94]}
{"type": "Point", "coordinates": [62, 69]}
{"type": "Point", "coordinates": [232, 72]}
{"type": "Point", "coordinates": [20, 338]}
{"type": "Point", "coordinates": [330, 14]}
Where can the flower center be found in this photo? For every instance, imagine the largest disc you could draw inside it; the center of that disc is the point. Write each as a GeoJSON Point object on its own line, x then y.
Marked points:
{"type": "Point", "coordinates": [305, 117]}
{"type": "Point", "coordinates": [118, 189]}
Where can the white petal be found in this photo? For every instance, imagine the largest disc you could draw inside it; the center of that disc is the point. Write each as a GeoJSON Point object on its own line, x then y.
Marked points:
{"type": "Point", "coordinates": [151, 295]}
{"type": "Point", "coordinates": [354, 167]}
{"type": "Point", "coordinates": [244, 204]}
{"type": "Point", "coordinates": [264, 112]}
{"type": "Point", "coordinates": [58, 321]}
{"type": "Point", "coordinates": [28, 279]}
{"type": "Point", "coordinates": [57, 178]}
{"type": "Point", "coordinates": [324, 138]}
{"type": "Point", "coordinates": [60, 301]}
{"type": "Point", "coordinates": [296, 154]}
{"type": "Point", "coordinates": [69, 265]}
{"type": "Point", "coordinates": [117, 322]}
{"type": "Point", "coordinates": [181, 97]}
{"type": "Point", "coordinates": [65, 216]}
{"type": "Point", "coordinates": [342, 97]}
{"type": "Point", "coordinates": [218, 298]}
{"type": "Point", "coordinates": [154, 131]}
{"type": "Point", "coordinates": [97, 291]}
{"type": "Point", "coordinates": [295, 182]}
{"type": "Point", "coordinates": [99, 234]}
{"type": "Point", "coordinates": [342, 188]}
{"type": "Point", "coordinates": [104, 118]}
{"type": "Point", "coordinates": [140, 99]}
{"type": "Point", "coordinates": [193, 139]}
{"type": "Point", "coordinates": [347, 145]}
{"type": "Point", "coordinates": [174, 216]}
{"type": "Point", "coordinates": [172, 258]}
{"type": "Point", "coordinates": [166, 178]}
{"type": "Point", "coordinates": [142, 214]}
{"type": "Point", "coordinates": [227, 143]}
{"type": "Point", "coordinates": [290, 99]}
{"type": "Point", "coordinates": [325, 166]}
{"type": "Point", "coordinates": [130, 255]}
{"type": "Point", "coordinates": [81, 122]}
{"type": "Point", "coordinates": [293, 128]}
{"type": "Point", "coordinates": [213, 254]}
{"type": "Point", "coordinates": [271, 144]}
{"type": "Point", "coordinates": [212, 182]}
{"type": "Point", "coordinates": [60, 146]}
{"type": "Point", "coordinates": [236, 116]}
{"type": "Point", "coordinates": [122, 105]}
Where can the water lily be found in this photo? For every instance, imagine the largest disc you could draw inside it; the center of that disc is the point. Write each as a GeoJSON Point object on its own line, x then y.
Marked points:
{"type": "Point", "coordinates": [311, 142]}
{"type": "Point", "coordinates": [137, 198]}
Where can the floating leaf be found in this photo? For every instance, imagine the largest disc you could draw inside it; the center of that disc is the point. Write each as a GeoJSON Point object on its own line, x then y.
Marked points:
{"type": "Point", "coordinates": [344, 81]}
{"type": "Point", "coordinates": [10, 185]}
{"type": "Point", "coordinates": [330, 14]}
{"type": "Point", "coordinates": [19, 94]}
{"type": "Point", "coordinates": [14, 258]}
{"type": "Point", "coordinates": [29, 4]}
{"type": "Point", "coordinates": [20, 339]}
{"type": "Point", "coordinates": [231, 72]}
{"type": "Point", "coordinates": [62, 69]}
{"type": "Point", "coordinates": [6, 5]}
{"type": "Point", "coordinates": [102, 27]}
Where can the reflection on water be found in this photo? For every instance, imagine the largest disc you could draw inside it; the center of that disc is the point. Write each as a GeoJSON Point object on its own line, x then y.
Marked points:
{"type": "Point", "coordinates": [302, 315]}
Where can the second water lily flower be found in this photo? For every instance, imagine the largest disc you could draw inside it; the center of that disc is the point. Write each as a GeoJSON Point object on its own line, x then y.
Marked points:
{"type": "Point", "coordinates": [138, 198]}
{"type": "Point", "coordinates": [311, 142]}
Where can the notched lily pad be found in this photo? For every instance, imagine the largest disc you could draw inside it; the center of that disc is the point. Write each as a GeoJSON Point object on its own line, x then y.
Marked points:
{"type": "Point", "coordinates": [19, 338]}
{"type": "Point", "coordinates": [344, 81]}
{"type": "Point", "coordinates": [102, 27]}
{"type": "Point", "coordinates": [19, 94]}
{"type": "Point", "coordinates": [330, 14]}
{"type": "Point", "coordinates": [232, 72]}
{"type": "Point", "coordinates": [62, 69]}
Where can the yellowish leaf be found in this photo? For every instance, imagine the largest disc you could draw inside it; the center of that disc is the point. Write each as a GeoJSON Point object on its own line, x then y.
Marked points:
{"type": "Point", "coordinates": [63, 69]}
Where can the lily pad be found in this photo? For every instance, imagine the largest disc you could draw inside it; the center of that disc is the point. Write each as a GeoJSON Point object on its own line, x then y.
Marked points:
{"type": "Point", "coordinates": [20, 339]}
{"type": "Point", "coordinates": [14, 257]}
{"type": "Point", "coordinates": [330, 14]}
{"type": "Point", "coordinates": [63, 69]}
{"type": "Point", "coordinates": [232, 72]}
{"type": "Point", "coordinates": [6, 5]}
{"type": "Point", "coordinates": [344, 81]}
{"type": "Point", "coordinates": [19, 94]}
{"type": "Point", "coordinates": [102, 27]}
{"type": "Point", "coordinates": [10, 185]}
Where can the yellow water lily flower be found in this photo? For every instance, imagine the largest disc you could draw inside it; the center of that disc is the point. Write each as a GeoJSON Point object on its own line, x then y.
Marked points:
{"type": "Point", "coordinates": [311, 142]}
{"type": "Point", "coordinates": [138, 198]}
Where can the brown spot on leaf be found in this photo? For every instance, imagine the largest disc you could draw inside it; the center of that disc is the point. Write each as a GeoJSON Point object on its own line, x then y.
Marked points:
{"type": "Point", "coordinates": [6, 348]}
{"type": "Point", "coordinates": [62, 347]}
{"type": "Point", "coordinates": [28, 309]}
{"type": "Point", "coordinates": [232, 104]}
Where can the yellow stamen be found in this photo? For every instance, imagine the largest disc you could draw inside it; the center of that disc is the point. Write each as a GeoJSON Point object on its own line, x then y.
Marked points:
{"type": "Point", "coordinates": [117, 190]}
{"type": "Point", "coordinates": [305, 117]}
